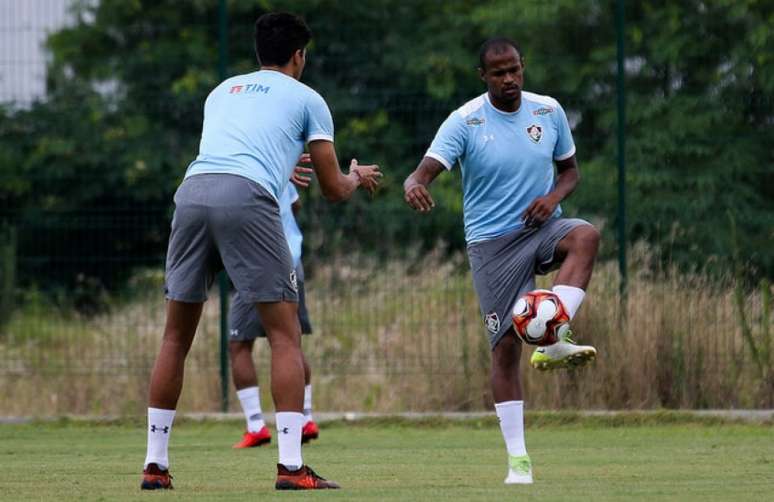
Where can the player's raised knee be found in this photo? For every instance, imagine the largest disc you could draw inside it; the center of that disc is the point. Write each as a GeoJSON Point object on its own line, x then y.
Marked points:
{"type": "Point", "coordinates": [584, 237]}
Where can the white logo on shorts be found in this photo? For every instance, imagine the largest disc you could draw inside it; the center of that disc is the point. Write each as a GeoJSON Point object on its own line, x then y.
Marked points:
{"type": "Point", "coordinates": [234, 332]}
{"type": "Point", "coordinates": [294, 280]}
{"type": "Point", "coordinates": [492, 322]}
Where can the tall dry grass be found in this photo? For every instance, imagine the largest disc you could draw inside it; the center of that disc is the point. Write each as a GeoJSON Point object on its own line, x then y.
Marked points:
{"type": "Point", "coordinates": [406, 335]}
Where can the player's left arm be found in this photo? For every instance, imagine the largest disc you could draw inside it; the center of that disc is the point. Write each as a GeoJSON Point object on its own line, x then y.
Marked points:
{"type": "Point", "coordinates": [567, 174]}
{"type": "Point", "coordinates": [567, 178]}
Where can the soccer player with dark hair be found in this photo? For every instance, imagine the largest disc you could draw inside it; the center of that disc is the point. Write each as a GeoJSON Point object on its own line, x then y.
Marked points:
{"type": "Point", "coordinates": [507, 141]}
{"type": "Point", "coordinates": [227, 216]}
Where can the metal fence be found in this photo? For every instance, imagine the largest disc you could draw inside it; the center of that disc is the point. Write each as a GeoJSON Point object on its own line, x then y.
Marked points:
{"type": "Point", "coordinates": [395, 317]}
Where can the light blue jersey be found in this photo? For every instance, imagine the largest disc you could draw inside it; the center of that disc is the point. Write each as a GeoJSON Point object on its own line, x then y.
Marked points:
{"type": "Point", "coordinates": [506, 159]}
{"type": "Point", "coordinates": [289, 224]}
{"type": "Point", "coordinates": [255, 126]}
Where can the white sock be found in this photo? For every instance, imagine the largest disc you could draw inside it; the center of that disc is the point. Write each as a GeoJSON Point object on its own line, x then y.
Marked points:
{"type": "Point", "coordinates": [250, 398]}
{"type": "Point", "coordinates": [571, 297]}
{"type": "Point", "coordinates": [308, 403]}
{"type": "Point", "coordinates": [159, 429]}
{"type": "Point", "coordinates": [289, 425]}
{"type": "Point", "coordinates": [511, 415]}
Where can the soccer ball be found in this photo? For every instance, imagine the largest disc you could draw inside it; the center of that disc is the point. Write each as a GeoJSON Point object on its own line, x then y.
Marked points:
{"type": "Point", "coordinates": [539, 318]}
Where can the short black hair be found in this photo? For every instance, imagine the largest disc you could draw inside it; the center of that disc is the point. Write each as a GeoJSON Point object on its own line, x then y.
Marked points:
{"type": "Point", "coordinates": [498, 45]}
{"type": "Point", "coordinates": [278, 35]}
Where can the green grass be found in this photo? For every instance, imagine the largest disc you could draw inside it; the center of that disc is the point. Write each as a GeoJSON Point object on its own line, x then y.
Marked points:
{"type": "Point", "coordinates": [397, 461]}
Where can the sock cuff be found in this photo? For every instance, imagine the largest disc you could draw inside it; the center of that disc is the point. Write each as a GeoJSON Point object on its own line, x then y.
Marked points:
{"type": "Point", "coordinates": [247, 392]}
{"type": "Point", "coordinates": [161, 412]}
{"type": "Point", "coordinates": [290, 416]}
{"type": "Point", "coordinates": [505, 405]}
{"type": "Point", "coordinates": [565, 287]}
{"type": "Point", "coordinates": [571, 297]}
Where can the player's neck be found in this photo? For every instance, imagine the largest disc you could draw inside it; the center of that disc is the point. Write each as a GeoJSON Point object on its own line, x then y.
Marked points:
{"type": "Point", "coordinates": [505, 106]}
{"type": "Point", "coordinates": [286, 70]}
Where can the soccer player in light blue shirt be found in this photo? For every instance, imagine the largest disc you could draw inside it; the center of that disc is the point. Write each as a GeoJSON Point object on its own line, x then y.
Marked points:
{"type": "Point", "coordinates": [507, 142]}
{"type": "Point", "coordinates": [246, 130]}
{"type": "Point", "coordinates": [227, 216]}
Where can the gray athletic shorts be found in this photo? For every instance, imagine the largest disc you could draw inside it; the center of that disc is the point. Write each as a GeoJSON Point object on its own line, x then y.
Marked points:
{"type": "Point", "coordinates": [227, 221]}
{"type": "Point", "coordinates": [244, 323]}
{"type": "Point", "coordinates": [504, 268]}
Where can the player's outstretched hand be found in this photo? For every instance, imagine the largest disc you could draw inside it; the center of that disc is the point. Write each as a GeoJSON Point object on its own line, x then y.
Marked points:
{"type": "Point", "coordinates": [368, 175]}
{"type": "Point", "coordinates": [418, 197]}
{"type": "Point", "coordinates": [300, 176]}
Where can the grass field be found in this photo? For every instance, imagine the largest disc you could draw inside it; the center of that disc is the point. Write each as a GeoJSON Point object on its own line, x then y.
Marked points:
{"type": "Point", "coordinates": [587, 459]}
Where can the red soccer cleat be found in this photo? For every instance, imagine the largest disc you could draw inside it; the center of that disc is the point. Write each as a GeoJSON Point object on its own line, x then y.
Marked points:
{"type": "Point", "coordinates": [153, 478]}
{"type": "Point", "coordinates": [253, 439]}
{"type": "Point", "coordinates": [303, 479]}
{"type": "Point", "coordinates": [309, 432]}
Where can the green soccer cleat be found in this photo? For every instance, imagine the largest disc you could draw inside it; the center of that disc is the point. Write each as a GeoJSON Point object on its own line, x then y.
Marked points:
{"type": "Point", "coordinates": [563, 354]}
{"type": "Point", "coordinates": [519, 470]}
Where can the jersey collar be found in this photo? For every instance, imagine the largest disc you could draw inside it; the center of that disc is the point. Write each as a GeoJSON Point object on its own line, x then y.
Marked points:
{"type": "Point", "coordinates": [507, 114]}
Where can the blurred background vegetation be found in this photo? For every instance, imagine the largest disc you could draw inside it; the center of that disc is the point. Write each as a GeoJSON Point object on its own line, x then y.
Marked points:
{"type": "Point", "coordinates": [127, 81]}
{"type": "Point", "coordinates": [88, 170]}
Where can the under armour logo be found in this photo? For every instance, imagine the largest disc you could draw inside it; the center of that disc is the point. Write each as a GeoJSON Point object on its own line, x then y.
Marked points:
{"type": "Point", "coordinates": [487, 137]}
{"type": "Point", "coordinates": [284, 430]}
{"type": "Point", "coordinates": [164, 429]}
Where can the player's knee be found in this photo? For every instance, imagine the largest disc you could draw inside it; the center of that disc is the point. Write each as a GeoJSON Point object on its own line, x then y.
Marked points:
{"type": "Point", "coordinates": [283, 337]}
{"type": "Point", "coordinates": [585, 238]}
{"type": "Point", "coordinates": [178, 338]}
{"type": "Point", "coordinates": [235, 349]}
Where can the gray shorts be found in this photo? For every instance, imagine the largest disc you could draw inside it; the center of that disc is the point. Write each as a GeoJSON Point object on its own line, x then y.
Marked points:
{"type": "Point", "coordinates": [244, 323]}
{"type": "Point", "coordinates": [227, 221]}
{"type": "Point", "coordinates": [504, 268]}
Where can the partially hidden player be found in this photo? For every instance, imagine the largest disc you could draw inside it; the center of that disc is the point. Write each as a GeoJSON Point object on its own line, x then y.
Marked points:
{"type": "Point", "coordinates": [245, 326]}
{"type": "Point", "coordinates": [227, 216]}
{"type": "Point", "coordinates": [507, 142]}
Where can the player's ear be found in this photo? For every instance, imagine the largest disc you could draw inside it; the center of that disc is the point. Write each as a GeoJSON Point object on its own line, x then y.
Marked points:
{"type": "Point", "coordinates": [481, 73]}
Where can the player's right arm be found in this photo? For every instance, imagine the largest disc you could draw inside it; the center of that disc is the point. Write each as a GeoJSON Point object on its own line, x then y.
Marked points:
{"type": "Point", "coordinates": [335, 185]}
{"type": "Point", "coordinates": [448, 146]}
{"type": "Point", "coordinates": [415, 188]}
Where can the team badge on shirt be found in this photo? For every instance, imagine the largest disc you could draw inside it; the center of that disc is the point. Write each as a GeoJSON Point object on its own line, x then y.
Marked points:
{"type": "Point", "coordinates": [535, 132]}
{"type": "Point", "coordinates": [492, 322]}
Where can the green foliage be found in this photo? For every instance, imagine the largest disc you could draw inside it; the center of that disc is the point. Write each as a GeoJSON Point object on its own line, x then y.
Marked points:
{"type": "Point", "coordinates": [108, 147]}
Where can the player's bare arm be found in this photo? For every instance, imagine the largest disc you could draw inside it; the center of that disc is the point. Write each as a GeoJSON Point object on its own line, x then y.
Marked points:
{"type": "Point", "coordinates": [415, 188]}
{"type": "Point", "coordinates": [567, 178]}
{"type": "Point", "coordinates": [335, 185]}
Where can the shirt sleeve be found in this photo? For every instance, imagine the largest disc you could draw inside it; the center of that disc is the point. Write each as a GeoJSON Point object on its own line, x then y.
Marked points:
{"type": "Point", "coordinates": [565, 146]}
{"type": "Point", "coordinates": [319, 123]}
{"type": "Point", "coordinates": [449, 143]}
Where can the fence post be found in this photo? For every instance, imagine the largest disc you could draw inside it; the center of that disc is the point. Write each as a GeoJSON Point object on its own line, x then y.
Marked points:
{"type": "Point", "coordinates": [621, 91]}
{"type": "Point", "coordinates": [222, 277]}
{"type": "Point", "coordinates": [7, 272]}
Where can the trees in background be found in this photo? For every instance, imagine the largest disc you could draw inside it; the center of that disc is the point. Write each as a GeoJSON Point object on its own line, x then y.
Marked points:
{"type": "Point", "coordinates": [88, 175]}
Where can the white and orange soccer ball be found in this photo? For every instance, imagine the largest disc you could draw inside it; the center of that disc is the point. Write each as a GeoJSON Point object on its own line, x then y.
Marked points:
{"type": "Point", "coordinates": [539, 318]}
